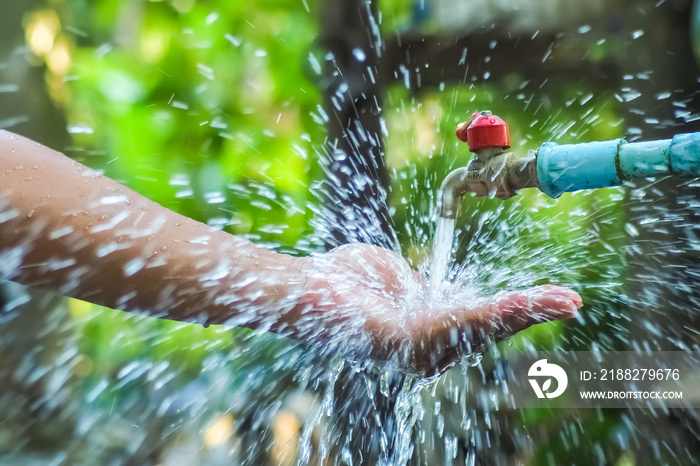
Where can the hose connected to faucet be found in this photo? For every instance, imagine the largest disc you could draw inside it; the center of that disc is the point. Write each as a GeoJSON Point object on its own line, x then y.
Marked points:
{"type": "Point", "coordinates": [556, 169]}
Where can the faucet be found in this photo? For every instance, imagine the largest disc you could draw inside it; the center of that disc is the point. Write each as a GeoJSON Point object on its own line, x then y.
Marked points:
{"type": "Point", "coordinates": [556, 169]}
{"type": "Point", "coordinates": [493, 172]}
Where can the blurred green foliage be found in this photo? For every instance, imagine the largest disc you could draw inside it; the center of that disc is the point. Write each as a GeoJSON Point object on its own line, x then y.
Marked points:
{"type": "Point", "coordinates": [187, 98]}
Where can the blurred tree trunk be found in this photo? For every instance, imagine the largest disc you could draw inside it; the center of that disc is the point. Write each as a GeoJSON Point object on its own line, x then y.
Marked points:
{"type": "Point", "coordinates": [358, 180]}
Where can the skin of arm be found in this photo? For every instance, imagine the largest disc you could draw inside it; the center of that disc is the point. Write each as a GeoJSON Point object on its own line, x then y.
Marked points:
{"type": "Point", "coordinates": [66, 228]}
{"type": "Point", "coordinates": [88, 237]}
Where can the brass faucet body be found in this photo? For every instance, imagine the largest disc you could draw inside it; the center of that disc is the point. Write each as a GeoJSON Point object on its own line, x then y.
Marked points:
{"type": "Point", "coordinates": [492, 173]}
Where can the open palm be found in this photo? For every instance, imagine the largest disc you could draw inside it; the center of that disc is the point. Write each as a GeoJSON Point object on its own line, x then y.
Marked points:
{"type": "Point", "coordinates": [378, 287]}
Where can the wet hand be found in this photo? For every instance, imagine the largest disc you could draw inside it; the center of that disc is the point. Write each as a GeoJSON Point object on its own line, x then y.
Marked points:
{"type": "Point", "coordinates": [377, 287]}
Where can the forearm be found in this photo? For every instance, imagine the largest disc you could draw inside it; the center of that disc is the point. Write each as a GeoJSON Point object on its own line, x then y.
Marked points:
{"type": "Point", "coordinates": [74, 231]}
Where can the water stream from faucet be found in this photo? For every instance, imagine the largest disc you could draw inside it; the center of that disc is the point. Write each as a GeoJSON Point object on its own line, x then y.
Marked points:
{"type": "Point", "coordinates": [441, 255]}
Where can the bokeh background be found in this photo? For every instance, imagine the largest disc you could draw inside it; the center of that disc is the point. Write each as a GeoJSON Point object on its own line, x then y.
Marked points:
{"type": "Point", "coordinates": [233, 113]}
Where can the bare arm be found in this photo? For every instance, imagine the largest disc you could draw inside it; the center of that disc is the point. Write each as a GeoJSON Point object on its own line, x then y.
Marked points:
{"type": "Point", "coordinates": [65, 228]}
{"type": "Point", "coordinates": [75, 231]}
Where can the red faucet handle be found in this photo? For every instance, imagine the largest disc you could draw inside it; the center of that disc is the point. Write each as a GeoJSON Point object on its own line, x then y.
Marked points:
{"type": "Point", "coordinates": [484, 131]}
{"type": "Point", "coordinates": [462, 133]}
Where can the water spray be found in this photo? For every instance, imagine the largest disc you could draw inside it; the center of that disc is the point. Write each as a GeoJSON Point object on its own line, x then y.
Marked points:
{"type": "Point", "coordinates": [556, 169]}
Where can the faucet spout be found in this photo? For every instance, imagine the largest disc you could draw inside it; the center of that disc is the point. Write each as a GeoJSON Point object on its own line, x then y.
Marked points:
{"type": "Point", "coordinates": [451, 192]}
{"type": "Point", "coordinates": [494, 174]}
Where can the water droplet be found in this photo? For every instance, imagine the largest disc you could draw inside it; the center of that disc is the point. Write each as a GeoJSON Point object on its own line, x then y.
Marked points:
{"type": "Point", "coordinates": [133, 266]}
{"type": "Point", "coordinates": [80, 128]}
{"type": "Point", "coordinates": [631, 230]}
{"type": "Point", "coordinates": [234, 40]}
{"type": "Point", "coordinates": [359, 55]}
{"type": "Point", "coordinates": [315, 65]}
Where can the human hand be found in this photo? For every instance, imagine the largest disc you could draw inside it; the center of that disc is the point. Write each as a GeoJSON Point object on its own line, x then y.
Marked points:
{"type": "Point", "coordinates": [377, 287]}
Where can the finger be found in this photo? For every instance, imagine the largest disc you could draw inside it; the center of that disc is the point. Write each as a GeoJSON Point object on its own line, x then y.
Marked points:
{"type": "Point", "coordinates": [521, 310]}
{"type": "Point", "coordinates": [515, 312]}
{"type": "Point", "coordinates": [554, 290]}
